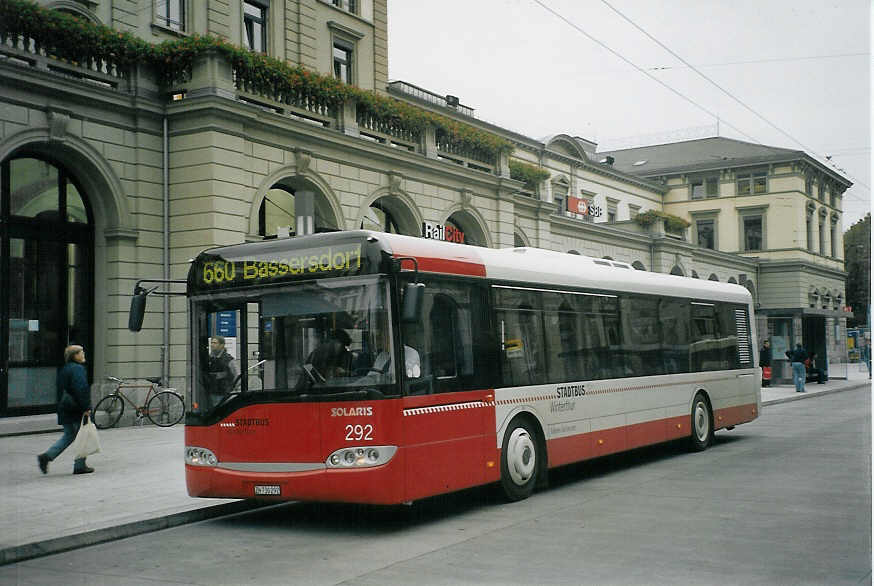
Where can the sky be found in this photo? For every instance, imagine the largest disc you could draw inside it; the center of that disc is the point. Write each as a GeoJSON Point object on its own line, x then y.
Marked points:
{"type": "Point", "coordinates": [787, 73]}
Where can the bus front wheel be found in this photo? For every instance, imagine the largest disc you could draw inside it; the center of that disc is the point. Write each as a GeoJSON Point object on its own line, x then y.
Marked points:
{"type": "Point", "coordinates": [519, 460]}
{"type": "Point", "coordinates": [702, 424]}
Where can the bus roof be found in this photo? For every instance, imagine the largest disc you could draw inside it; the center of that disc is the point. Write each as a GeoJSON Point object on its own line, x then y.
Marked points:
{"type": "Point", "coordinates": [523, 266]}
{"type": "Point", "coordinates": [533, 266]}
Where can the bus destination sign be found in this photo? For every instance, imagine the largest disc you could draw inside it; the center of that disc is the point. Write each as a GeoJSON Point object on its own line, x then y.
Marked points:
{"type": "Point", "coordinates": [213, 271]}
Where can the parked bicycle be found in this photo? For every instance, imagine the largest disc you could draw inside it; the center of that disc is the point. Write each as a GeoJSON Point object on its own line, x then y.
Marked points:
{"type": "Point", "coordinates": [163, 406]}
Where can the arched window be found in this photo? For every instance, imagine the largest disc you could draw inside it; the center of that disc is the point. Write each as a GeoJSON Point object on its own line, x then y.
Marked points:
{"type": "Point", "coordinates": [573, 252]}
{"type": "Point", "coordinates": [638, 265]}
{"type": "Point", "coordinates": [732, 280]}
{"type": "Point", "coordinates": [677, 271]}
{"type": "Point", "coordinates": [712, 277]}
{"type": "Point", "coordinates": [694, 274]}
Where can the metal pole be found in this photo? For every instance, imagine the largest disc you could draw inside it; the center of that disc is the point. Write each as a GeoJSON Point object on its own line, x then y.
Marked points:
{"type": "Point", "coordinates": [165, 349]}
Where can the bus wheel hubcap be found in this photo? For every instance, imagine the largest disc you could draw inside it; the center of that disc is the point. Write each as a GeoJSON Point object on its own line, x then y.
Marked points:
{"type": "Point", "coordinates": [701, 421]}
{"type": "Point", "coordinates": [520, 456]}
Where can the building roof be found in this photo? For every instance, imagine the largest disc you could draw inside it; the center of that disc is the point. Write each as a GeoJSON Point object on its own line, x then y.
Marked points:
{"type": "Point", "coordinates": [703, 155]}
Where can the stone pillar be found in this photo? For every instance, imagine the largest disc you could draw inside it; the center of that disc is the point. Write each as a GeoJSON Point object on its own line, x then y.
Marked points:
{"type": "Point", "coordinates": [827, 235]}
{"type": "Point", "coordinates": [349, 118]}
{"type": "Point", "coordinates": [142, 82]}
{"type": "Point", "coordinates": [211, 74]}
{"type": "Point", "coordinates": [506, 224]}
{"type": "Point", "coordinates": [429, 142]}
{"type": "Point", "coordinates": [503, 165]}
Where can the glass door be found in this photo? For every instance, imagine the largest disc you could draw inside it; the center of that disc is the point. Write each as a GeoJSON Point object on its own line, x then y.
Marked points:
{"type": "Point", "coordinates": [46, 281]}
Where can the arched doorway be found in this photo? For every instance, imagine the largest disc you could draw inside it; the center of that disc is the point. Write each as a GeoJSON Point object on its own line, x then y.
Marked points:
{"type": "Point", "coordinates": [467, 224]}
{"type": "Point", "coordinates": [278, 211]}
{"type": "Point", "coordinates": [390, 213]}
{"type": "Point", "coordinates": [381, 219]}
{"type": "Point", "coordinates": [47, 266]}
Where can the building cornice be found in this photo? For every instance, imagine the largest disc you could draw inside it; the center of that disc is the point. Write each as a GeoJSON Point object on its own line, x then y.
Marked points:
{"type": "Point", "coordinates": [718, 257]}
{"type": "Point", "coordinates": [782, 311]}
{"type": "Point", "coordinates": [795, 158]}
{"type": "Point", "coordinates": [794, 266]}
{"type": "Point", "coordinates": [216, 108]}
{"type": "Point", "coordinates": [29, 81]}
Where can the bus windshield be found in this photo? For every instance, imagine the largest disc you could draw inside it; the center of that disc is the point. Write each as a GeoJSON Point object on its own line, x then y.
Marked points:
{"type": "Point", "coordinates": [312, 340]}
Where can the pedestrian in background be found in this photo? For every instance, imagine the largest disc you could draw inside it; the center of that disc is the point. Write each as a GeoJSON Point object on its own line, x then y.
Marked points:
{"type": "Point", "coordinates": [74, 401]}
{"type": "Point", "coordinates": [765, 362]}
{"type": "Point", "coordinates": [799, 370]}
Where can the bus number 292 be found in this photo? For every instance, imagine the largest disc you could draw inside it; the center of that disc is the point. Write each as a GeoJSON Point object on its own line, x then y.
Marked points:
{"type": "Point", "coordinates": [359, 432]}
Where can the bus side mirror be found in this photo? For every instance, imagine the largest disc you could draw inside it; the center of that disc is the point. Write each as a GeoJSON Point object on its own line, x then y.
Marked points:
{"type": "Point", "coordinates": [137, 310]}
{"type": "Point", "coordinates": [414, 295]}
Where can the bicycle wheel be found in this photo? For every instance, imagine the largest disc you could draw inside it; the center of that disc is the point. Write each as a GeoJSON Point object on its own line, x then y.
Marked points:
{"type": "Point", "coordinates": [108, 411]}
{"type": "Point", "coordinates": [165, 409]}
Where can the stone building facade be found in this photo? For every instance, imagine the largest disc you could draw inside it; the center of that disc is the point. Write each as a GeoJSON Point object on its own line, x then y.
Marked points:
{"type": "Point", "coordinates": [108, 177]}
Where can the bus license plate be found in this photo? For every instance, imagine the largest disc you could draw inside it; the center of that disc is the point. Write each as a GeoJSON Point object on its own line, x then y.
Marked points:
{"type": "Point", "coordinates": [266, 489]}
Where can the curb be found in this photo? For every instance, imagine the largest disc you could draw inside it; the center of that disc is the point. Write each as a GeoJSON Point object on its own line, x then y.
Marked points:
{"type": "Point", "coordinates": [801, 396]}
{"type": "Point", "coordinates": [28, 551]}
{"type": "Point", "coordinates": [29, 432]}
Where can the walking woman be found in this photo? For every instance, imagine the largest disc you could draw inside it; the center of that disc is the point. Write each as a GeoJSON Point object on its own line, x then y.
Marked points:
{"type": "Point", "coordinates": [765, 362]}
{"type": "Point", "coordinates": [73, 382]}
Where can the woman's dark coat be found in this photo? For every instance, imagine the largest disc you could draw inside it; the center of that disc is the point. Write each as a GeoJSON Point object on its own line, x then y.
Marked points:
{"type": "Point", "coordinates": [765, 356]}
{"type": "Point", "coordinates": [73, 379]}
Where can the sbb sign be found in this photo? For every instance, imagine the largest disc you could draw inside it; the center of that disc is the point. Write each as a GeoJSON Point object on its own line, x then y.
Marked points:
{"type": "Point", "coordinates": [584, 207]}
{"type": "Point", "coordinates": [441, 232]}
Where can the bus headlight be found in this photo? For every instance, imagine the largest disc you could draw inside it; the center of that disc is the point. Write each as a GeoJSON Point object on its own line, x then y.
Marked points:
{"type": "Point", "coordinates": [361, 456]}
{"type": "Point", "coordinates": [199, 456]}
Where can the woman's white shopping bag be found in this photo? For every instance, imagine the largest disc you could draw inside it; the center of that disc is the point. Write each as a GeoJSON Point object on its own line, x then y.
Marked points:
{"type": "Point", "coordinates": [86, 442]}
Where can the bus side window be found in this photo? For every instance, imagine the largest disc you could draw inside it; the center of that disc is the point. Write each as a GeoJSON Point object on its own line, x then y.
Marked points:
{"type": "Point", "coordinates": [520, 323]}
{"type": "Point", "coordinates": [704, 353]}
{"type": "Point", "coordinates": [443, 321]}
{"type": "Point", "coordinates": [674, 319]}
{"type": "Point", "coordinates": [642, 335]}
{"type": "Point", "coordinates": [449, 339]}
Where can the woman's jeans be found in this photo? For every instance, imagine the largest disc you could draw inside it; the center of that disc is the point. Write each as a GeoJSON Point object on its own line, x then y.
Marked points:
{"type": "Point", "coordinates": [799, 374]}
{"type": "Point", "coordinates": [70, 431]}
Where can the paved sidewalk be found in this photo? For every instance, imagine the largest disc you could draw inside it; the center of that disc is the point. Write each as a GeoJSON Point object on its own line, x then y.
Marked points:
{"type": "Point", "coordinates": [139, 483]}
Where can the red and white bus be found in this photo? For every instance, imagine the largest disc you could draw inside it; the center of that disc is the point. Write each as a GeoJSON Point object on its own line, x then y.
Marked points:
{"type": "Point", "coordinates": [379, 368]}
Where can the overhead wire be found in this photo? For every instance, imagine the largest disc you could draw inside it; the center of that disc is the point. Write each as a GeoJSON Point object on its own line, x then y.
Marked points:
{"type": "Point", "coordinates": [716, 85]}
{"type": "Point", "coordinates": [771, 60]}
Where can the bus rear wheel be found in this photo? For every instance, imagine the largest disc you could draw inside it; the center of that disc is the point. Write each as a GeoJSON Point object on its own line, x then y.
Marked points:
{"type": "Point", "coordinates": [520, 461]}
{"type": "Point", "coordinates": [702, 424]}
